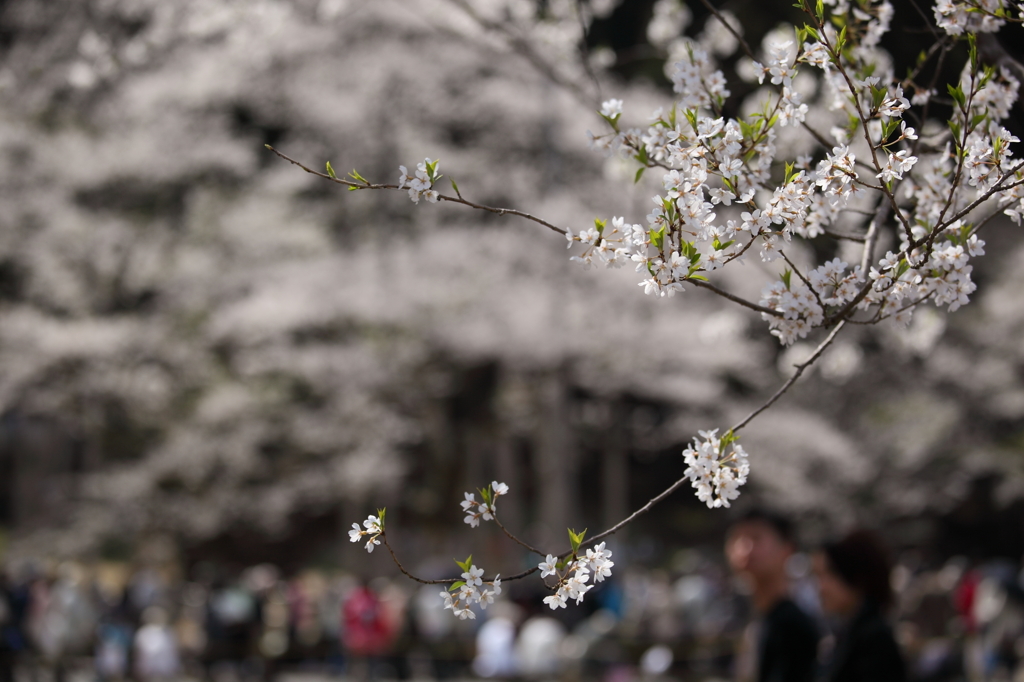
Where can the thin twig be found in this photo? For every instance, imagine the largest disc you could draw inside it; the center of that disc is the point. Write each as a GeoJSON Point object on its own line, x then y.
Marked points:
{"type": "Point", "coordinates": [585, 50]}
{"type": "Point", "coordinates": [525, 50]}
{"type": "Point", "coordinates": [639, 512]}
{"type": "Point", "coordinates": [792, 380]}
{"type": "Point", "coordinates": [443, 581]}
{"type": "Point", "coordinates": [849, 237]}
{"type": "Point", "coordinates": [441, 197]}
{"type": "Point", "coordinates": [734, 32]}
{"type": "Point", "coordinates": [735, 299]}
{"type": "Point", "coordinates": [881, 215]}
{"type": "Point", "coordinates": [803, 279]}
{"type": "Point", "coordinates": [513, 538]}
{"type": "Point", "coordinates": [447, 581]}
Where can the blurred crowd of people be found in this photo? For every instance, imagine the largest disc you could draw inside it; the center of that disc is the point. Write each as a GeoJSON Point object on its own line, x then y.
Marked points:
{"type": "Point", "coordinates": [958, 620]}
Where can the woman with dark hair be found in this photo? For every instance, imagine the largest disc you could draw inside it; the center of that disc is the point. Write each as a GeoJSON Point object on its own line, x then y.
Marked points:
{"type": "Point", "coordinates": [853, 584]}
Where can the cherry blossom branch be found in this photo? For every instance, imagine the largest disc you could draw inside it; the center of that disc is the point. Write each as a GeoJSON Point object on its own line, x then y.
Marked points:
{"type": "Point", "coordinates": [510, 211]}
{"type": "Point", "coordinates": [441, 197]}
{"type": "Point", "coordinates": [792, 380]}
{"type": "Point", "coordinates": [998, 187]}
{"type": "Point", "coordinates": [838, 61]}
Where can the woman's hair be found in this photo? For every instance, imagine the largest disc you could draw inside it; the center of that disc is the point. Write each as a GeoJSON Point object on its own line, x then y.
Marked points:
{"type": "Point", "coordinates": [862, 562]}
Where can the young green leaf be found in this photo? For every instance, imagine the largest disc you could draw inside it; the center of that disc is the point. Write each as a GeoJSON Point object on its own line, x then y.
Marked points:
{"type": "Point", "coordinates": [330, 171]}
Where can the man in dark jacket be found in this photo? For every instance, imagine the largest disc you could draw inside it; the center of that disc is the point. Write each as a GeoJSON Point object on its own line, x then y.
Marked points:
{"type": "Point", "coordinates": [781, 643]}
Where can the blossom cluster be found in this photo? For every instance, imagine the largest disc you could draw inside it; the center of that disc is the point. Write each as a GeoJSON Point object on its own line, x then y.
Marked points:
{"type": "Point", "coordinates": [716, 474]}
{"type": "Point", "coordinates": [720, 200]}
{"type": "Point", "coordinates": [373, 528]}
{"type": "Point", "coordinates": [575, 575]}
{"type": "Point", "coordinates": [420, 184]}
{"type": "Point", "coordinates": [944, 275]}
{"type": "Point", "coordinates": [957, 17]}
{"type": "Point", "coordinates": [485, 508]}
{"type": "Point", "coordinates": [471, 590]}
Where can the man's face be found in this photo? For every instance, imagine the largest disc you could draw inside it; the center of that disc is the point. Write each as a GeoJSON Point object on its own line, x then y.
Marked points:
{"type": "Point", "coordinates": [755, 549]}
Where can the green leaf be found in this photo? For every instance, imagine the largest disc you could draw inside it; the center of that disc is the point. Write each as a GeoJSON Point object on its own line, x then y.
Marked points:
{"type": "Point", "coordinates": [729, 438]}
{"type": "Point", "coordinates": [576, 539]}
{"type": "Point", "coordinates": [700, 277]}
{"type": "Point", "coordinates": [380, 515]}
{"type": "Point", "coordinates": [691, 117]}
{"type": "Point", "coordinates": [330, 171]}
{"type": "Point", "coordinates": [819, 11]}
{"type": "Point", "coordinates": [955, 128]}
{"type": "Point", "coordinates": [457, 584]}
{"type": "Point", "coordinates": [356, 176]}
{"type": "Point", "coordinates": [465, 565]}
{"type": "Point", "coordinates": [613, 121]}
{"type": "Point", "coordinates": [641, 156]}
{"type": "Point", "coordinates": [485, 494]}
{"type": "Point", "coordinates": [639, 174]}
{"type": "Point", "coordinates": [878, 94]}
{"type": "Point", "coordinates": [454, 186]}
{"type": "Point", "coordinates": [957, 93]}
{"type": "Point", "coordinates": [787, 275]}
{"type": "Point", "coordinates": [658, 238]}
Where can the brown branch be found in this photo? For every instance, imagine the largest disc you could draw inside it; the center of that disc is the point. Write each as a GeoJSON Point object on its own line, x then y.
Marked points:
{"type": "Point", "coordinates": [803, 279]}
{"type": "Point", "coordinates": [730, 29]}
{"type": "Point", "coordinates": [735, 299]}
{"type": "Point", "coordinates": [639, 512]}
{"type": "Point", "coordinates": [446, 581]}
{"type": "Point", "coordinates": [443, 581]}
{"type": "Point", "coordinates": [513, 538]}
{"type": "Point", "coordinates": [792, 380]}
{"type": "Point", "coordinates": [849, 237]}
{"type": "Point", "coordinates": [867, 257]}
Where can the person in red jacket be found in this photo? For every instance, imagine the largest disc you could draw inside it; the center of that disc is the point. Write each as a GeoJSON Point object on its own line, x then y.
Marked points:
{"type": "Point", "coordinates": [366, 634]}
